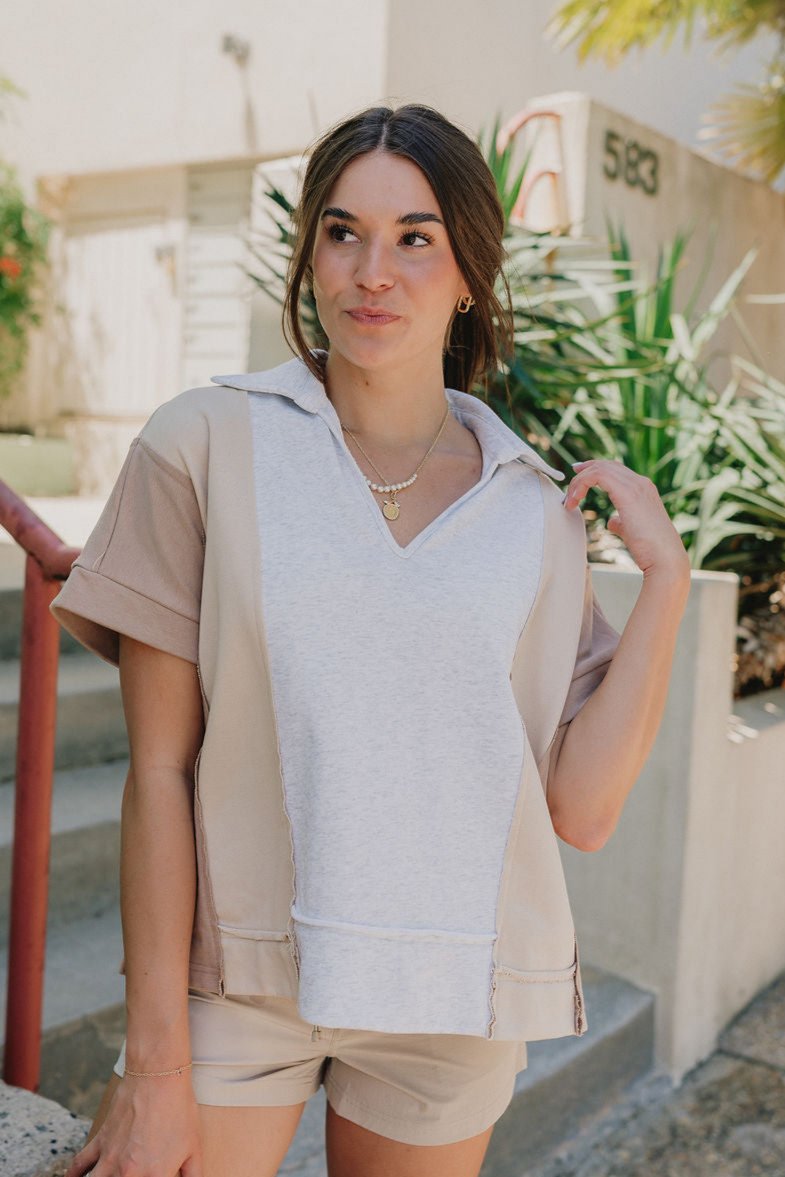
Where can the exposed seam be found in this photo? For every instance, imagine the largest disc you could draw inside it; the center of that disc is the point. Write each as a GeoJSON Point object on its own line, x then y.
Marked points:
{"type": "Point", "coordinates": [195, 967]}
{"type": "Point", "coordinates": [506, 867]}
{"type": "Point", "coordinates": [536, 595]}
{"type": "Point", "coordinates": [580, 1016]}
{"type": "Point", "coordinates": [126, 469]}
{"type": "Point", "coordinates": [264, 653]}
{"type": "Point", "coordinates": [522, 979]}
{"type": "Point", "coordinates": [395, 933]}
{"type": "Point", "coordinates": [251, 933]}
{"type": "Point", "coordinates": [167, 466]}
{"type": "Point", "coordinates": [210, 896]}
{"type": "Point", "coordinates": [179, 476]}
{"type": "Point", "coordinates": [201, 688]}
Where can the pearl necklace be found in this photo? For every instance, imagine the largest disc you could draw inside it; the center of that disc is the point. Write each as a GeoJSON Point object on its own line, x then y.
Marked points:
{"type": "Point", "coordinates": [392, 508]}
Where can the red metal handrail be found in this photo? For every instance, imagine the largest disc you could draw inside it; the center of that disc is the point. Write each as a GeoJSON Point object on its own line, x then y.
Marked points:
{"type": "Point", "coordinates": [48, 562]}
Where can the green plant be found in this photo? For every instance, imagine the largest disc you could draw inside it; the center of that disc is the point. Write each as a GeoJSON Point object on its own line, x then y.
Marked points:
{"type": "Point", "coordinates": [500, 163]}
{"type": "Point", "coordinates": [24, 233]}
{"type": "Point", "coordinates": [622, 374]}
{"type": "Point", "coordinates": [23, 237]}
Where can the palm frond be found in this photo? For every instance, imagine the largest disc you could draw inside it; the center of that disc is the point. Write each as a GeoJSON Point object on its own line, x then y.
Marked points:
{"type": "Point", "coordinates": [748, 127]}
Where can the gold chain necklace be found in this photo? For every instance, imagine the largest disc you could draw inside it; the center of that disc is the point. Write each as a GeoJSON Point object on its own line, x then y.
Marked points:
{"type": "Point", "coordinates": [392, 508]}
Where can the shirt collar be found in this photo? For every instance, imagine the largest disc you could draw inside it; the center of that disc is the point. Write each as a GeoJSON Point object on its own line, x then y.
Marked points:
{"type": "Point", "coordinates": [294, 379]}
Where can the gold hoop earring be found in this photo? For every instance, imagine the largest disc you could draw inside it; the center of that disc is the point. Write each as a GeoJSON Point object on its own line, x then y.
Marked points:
{"type": "Point", "coordinates": [465, 304]}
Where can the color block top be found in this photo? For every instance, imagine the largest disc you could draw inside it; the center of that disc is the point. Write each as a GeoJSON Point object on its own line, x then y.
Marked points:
{"type": "Point", "coordinates": [401, 744]}
{"type": "Point", "coordinates": [370, 816]}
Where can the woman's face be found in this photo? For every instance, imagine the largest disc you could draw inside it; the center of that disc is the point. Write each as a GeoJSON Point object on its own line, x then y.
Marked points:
{"type": "Point", "coordinates": [365, 257]}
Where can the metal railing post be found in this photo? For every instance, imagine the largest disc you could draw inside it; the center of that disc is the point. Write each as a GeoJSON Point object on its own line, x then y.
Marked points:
{"type": "Point", "coordinates": [32, 829]}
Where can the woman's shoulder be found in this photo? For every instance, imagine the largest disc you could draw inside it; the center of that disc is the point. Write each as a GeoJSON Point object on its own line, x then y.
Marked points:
{"type": "Point", "coordinates": [563, 525]}
{"type": "Point", "coordinates": [179, 429]}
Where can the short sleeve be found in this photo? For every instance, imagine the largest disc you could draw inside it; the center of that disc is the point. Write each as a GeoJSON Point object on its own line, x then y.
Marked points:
{"type": "Point", "coordinates": [596, 647]}
{"type": "Point", "coordinates": [140, 571]}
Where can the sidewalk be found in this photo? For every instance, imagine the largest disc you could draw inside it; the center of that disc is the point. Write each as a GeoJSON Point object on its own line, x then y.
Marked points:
{"type": "Point", "coordinates": [727, 1119]}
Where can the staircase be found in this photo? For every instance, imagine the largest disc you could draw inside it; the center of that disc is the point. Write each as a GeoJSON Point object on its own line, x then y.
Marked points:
{"type": "Point", "coordinates": [567, 1081]}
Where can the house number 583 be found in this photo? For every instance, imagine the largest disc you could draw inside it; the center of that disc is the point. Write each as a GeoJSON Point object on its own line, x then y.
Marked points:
{"type": "Point", "coordinates": [630, 161]}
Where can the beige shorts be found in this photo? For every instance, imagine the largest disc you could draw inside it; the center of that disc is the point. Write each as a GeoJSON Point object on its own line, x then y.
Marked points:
{"type": "Point", "coordinates": [416, 1088]}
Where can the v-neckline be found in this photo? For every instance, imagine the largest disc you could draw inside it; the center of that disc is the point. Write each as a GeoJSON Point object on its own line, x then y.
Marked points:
{"type": "Point", "coordinates": [406, 550]}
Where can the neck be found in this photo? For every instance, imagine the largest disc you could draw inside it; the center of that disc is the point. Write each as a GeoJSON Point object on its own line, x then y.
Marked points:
{"type": "Point", "coordinates": [397, 409]}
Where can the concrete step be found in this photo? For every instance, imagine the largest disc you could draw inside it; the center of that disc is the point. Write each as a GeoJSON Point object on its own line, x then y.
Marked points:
{"type": "Point", "coordinates": [84, 864]}
{"type": "Point", "coordinates": [90, 720]}
{"type": "Point", "coordinates": [84, 1009]}
{"type": "Point", "coordinates": [81, 977]}
{"type": "Point", "coordinates": [568, 1080]}
{"type": "Point", "coordinates": [11, 622]}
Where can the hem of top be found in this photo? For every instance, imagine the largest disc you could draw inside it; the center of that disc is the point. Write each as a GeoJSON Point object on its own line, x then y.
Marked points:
{"type": "Point", "coordinates": [530, 1005]}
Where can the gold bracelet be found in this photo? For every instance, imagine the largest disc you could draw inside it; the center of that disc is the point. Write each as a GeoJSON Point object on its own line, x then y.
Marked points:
{"type": "Point", "coordinates": [151, 1074]}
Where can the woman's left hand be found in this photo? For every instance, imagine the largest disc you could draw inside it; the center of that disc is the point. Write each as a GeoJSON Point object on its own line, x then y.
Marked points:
{"type": "Point", "coordinates": [640, 518]}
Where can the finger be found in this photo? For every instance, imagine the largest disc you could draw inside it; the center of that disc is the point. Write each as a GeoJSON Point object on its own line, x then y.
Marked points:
{"type": "Point", "coordinates": [84, 1160]}
{"type": "Point", "coordinates": [579, 483]}
{"type": "Point", "coordinates": [608, 475]}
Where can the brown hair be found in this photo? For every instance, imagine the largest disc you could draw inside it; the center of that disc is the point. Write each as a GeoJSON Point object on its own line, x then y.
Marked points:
{"type": "Point", "coordinates": [474, 219]}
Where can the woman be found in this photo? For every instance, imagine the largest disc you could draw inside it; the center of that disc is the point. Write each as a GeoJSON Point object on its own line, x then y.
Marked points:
{"type": "Point", "coordinates": [354, 624]}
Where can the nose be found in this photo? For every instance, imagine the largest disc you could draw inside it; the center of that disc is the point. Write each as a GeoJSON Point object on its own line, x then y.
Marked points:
{"type": "Point", "coordinates": [374, 270]}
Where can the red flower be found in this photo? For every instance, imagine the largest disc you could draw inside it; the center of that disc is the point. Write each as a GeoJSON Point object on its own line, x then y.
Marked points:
{"type": "Point", "coordinates": [10, 266]}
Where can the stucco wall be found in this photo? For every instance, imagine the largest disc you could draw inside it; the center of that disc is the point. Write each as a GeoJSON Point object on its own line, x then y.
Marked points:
{"type": "Point", "coordinates": [138, 85]}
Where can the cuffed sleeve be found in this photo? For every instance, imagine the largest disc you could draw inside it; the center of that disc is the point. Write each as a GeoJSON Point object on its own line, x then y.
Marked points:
{"type": "Point", "coordinates": [596, 647]}
{"type": "Point", "coordinates": [140, 571]}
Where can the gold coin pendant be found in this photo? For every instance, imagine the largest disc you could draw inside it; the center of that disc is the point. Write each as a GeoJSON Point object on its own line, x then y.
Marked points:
{"type": "Point", "coordinates": [390, 510]}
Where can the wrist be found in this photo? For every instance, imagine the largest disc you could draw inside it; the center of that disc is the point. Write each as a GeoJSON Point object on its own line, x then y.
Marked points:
{"type": "Point", "coordinates": [145, 1051]}
{"type": "Point", "coordinates": [166, 1073]}
{"type": "Point", "coordinates": [674, 579]}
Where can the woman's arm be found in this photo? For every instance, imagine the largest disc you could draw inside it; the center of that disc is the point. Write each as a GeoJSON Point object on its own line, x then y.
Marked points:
{"type": "Point", "coordinates": [609, 739]}
{"type": "Point", "coordinates": [163, 710]}
{"type": "Point", "coordinates": [153, 1122]}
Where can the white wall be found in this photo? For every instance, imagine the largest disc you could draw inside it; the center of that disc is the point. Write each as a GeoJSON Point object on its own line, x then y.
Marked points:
{"type": "Point", "coordinates": [115, 85]}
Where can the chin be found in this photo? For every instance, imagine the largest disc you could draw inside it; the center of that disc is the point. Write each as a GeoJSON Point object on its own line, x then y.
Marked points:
{"type": "Point", "coordinates": [367, 354]}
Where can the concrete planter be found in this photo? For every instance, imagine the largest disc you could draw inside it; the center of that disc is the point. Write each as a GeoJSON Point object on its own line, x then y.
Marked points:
{"type": "Point", "coordinates": [687, 898]}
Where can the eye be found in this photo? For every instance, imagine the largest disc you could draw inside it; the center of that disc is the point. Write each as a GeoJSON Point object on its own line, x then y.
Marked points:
{"type": "Point", "coordinates": [336, 231]}
{"type": "Point", "coordinates": [426, 237]}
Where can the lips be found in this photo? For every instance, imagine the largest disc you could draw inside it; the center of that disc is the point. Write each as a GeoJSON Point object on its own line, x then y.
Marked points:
{"type": "Point", "coordinates": [371, 315]}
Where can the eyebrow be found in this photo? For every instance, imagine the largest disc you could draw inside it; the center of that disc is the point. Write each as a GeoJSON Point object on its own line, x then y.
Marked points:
{"type": "Point", "coordinates": [406, 219]}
